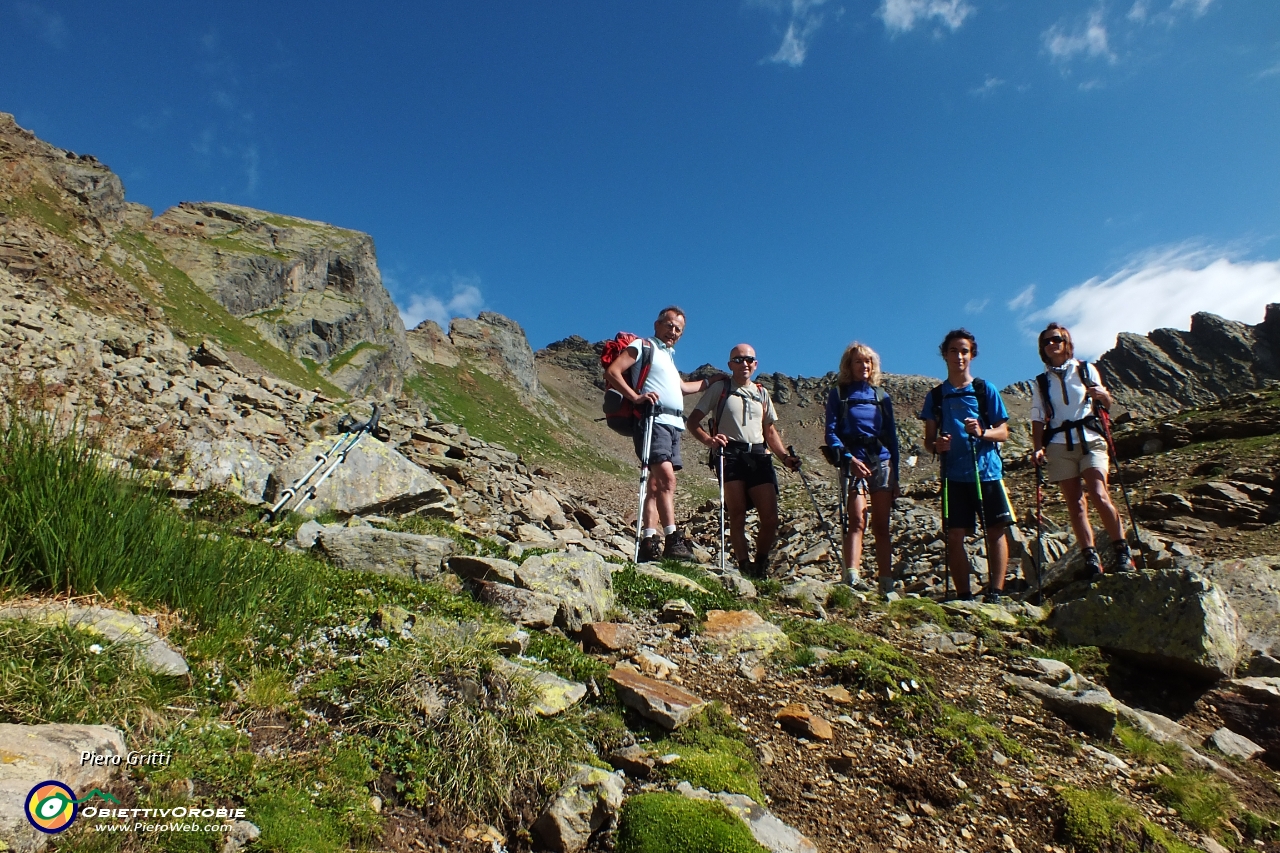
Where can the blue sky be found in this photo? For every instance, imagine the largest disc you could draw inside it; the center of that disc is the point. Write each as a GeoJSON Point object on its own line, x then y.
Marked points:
{"type": "Point", "coordinates": [794, 174]}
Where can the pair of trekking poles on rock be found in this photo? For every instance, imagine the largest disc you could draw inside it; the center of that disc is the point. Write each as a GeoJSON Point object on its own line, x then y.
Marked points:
{"type": "Point", "coordinates": [350, 432]}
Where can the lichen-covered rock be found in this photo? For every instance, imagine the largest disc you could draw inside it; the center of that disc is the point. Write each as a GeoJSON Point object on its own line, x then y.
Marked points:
{"type": "Point", "coordinates": [33, 754]}
{"type": "Point", "coordinates": [230, 464]}
{"type": "Point", "coordinates": [386, 552]}
{"type": "Point", "coordinates": [588, 802]}
{"type": "Point", "coordinates": [113, 625]}
{"type": "Point", "coordinates": [555, 694]}
{"type": "Point", "coordinates": [521, 606]}
{"type": "Point", "coordinates": [1252, 585]}
{"type": "Point", "coordinates": [1175, 619]}
{"type": "Point", "coordinates": [469, 567]}
{"type": "Point", "coordinates": [580, 580]}
{"type": "Point", "coordinates": [375, 478]}
{"type": "Point", "coordinates": [732, 632]}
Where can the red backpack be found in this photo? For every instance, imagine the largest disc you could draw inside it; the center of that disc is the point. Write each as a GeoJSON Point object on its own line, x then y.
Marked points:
{"type": "Point", "coordinates": [620, 413]}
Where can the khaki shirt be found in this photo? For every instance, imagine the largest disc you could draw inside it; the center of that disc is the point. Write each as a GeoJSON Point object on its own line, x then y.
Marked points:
{"type": "Point", "coordinates": [747, 410]}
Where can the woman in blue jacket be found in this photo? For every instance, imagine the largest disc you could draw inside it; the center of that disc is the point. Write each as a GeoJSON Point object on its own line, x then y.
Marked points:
{"type": "Point", "coordinates": [862, 432]}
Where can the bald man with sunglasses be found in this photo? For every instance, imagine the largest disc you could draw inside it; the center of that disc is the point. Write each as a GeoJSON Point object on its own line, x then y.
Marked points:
{"type": "Point", "coordinates": [743, 428]}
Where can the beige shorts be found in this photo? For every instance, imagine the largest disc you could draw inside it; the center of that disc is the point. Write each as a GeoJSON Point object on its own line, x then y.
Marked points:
{"type": "Point", "coordinates": [1062, 464]}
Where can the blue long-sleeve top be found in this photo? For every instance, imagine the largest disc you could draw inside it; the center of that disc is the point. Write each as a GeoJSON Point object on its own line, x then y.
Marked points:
{"type": "Point", "coordinates": [857, 425]}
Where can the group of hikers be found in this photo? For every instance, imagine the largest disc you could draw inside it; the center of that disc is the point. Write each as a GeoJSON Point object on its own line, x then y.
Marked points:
{"type": "Point", "coordinates": [965, 420]}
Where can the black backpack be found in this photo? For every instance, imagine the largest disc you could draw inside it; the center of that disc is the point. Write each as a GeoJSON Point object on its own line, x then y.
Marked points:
{"type": "Point", "coordinates": [1090, 420]}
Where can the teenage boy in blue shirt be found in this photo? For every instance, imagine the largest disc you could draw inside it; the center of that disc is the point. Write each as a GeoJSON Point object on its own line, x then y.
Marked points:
{"type": "Point", "coordinates": [966, 433]}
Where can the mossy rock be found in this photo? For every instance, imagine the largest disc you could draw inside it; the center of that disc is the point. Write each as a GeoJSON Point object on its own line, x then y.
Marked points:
{"type": "Point", "coordinates": [716, 771]}
{"type": "Point", "coordinates": [671, 823]}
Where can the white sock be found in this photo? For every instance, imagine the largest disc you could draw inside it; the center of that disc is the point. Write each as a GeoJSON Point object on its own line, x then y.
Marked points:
{"type": "Point", "coordinates": [650, 531]}
{"type": "Point", "coordinates": [669, 529]}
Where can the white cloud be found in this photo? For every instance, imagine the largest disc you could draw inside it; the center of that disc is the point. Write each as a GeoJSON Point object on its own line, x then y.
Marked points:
{"type": "Point", "coordinates": [1273, 71]}
{"type": "Point", "coordinates": [1023, 300]}
{"type": "Point", "coordinates": [465, 300]}
{"type": "Point", "coordinates": [1197, 7]}
{"type": "Point", "coordinates": [1089, 40]}
{"type": "Point", "coordinates": [901, 16]}
{"type": "Point", "coordinates": [1139, 11]}
{"type": "Point", "coordinates": [805, 21]}
{"type": "Point", "coordinates": [987, 88]}
{"type": "Point", "coordinates": [976, 306]}
{"type": "Point", "coordinates": [1162, 289]}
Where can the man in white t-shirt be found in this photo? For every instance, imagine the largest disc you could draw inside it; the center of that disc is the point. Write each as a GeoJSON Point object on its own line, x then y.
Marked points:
{"type": "Point", "coordinates": [664, 390]}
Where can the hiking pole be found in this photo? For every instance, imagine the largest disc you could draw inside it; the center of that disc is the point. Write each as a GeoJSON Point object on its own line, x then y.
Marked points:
{"type": "Point", "coordinates": [720, 462]}
{"type": "Point", "coordinates": [321, 459]}
{"type": "Point", "coordinates": [982, 511]}
{"type": "Point", "coordinates": [1104, 417]}
{"type": "Point", "coordinates": [1039, 560]}
{"type": "Point", "coordinates": [946, 531]}
{"type": "Point", "coordinates": [644, 477]}
{"type": "Point", "coordinates": [844, 507]}
{"type": "Point", "coordinates": [826, 528]}
{"type": "Point", "coordinates": [357, 432]}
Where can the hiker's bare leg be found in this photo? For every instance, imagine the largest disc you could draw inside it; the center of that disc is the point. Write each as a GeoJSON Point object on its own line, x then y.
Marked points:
{"type": "Point", "coordinates": [881, 506]}
{"type": "Point", "coordinates": [1095, 485]}
{"type": "Point", "coordinates": [661, 498]}
{"type": "Point", "coordinates": [735, 506]}
{"type": "Point", "coordinates": [959, 560]}
{"type": "Point", "coordinates": [857, 511]}
{"type": "Point", "coordinates": [765, 497]}
{"type": "Point", "coordinates": [997, 556]}
{"type": "Point", "coordinates": [1077, 510]}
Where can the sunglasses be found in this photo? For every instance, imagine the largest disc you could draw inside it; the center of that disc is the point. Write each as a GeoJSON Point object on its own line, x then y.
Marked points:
{"type": "Point", "coordinates": [743, 359]}
{"type": "Point", "coordinates": [1056, 339]}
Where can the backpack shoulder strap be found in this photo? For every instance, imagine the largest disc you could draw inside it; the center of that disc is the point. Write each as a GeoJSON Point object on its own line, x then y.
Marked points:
{"type": "Point", "coordinates": [981, 391]}
{"type": "Point", "coordinates": [1083, 367]}
{"type": "Point", "coordinates": [724, 400]}
{"type": "Point", "coordinates": [935, 404]}
{"type": "Point", "coordinates": [1042, 382]}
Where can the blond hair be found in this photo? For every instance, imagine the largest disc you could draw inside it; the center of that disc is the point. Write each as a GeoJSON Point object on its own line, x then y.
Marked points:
{"type": "Point", "coordinates": [858, 350]}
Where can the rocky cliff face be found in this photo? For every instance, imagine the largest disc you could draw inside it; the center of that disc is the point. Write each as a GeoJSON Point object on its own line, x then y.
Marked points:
{"type": "Point", "coordinates": [492, 343]}
{"type": "Point", "coordinates": [298, 299]}
{"type": "Point", "coordinates": [311, 289]}
{"type": "Point", "coordinates": [1170, 370]}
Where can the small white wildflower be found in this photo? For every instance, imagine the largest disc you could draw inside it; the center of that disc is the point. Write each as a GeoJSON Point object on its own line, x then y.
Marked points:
{"type": "Point", "coordinates": [96, 649]}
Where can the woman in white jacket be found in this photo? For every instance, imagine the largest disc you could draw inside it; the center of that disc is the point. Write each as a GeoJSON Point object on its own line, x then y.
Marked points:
{"type": "Point", "coordinates": [1067, 439]}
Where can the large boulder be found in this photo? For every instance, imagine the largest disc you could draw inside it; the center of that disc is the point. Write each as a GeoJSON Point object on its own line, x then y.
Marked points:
{"type": "Point", "coordinates": [375, 478]}
{"type": "Point", "coordinates": [522, 606]}
{"type": "Point", "coordinates": [1252, 585]}
{"type": "Point", "coordinates": [368, 549]}
{"type": "Point", "coordinates": [581, 580]}
{"type": "Point", "coordinates": [1174, 619]}
{"type": "Point", "coordinates": [230, 464]}
{"type": "Point", "coordinates": [30, 755]}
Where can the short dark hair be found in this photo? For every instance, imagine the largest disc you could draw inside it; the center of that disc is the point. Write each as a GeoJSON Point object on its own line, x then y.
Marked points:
{"type": "Point", "coordinates": [955, 334]}
{"type": "Point", "coordinates": [679, 312]}
{"type": "Point", "coordinates": [1066, 339]}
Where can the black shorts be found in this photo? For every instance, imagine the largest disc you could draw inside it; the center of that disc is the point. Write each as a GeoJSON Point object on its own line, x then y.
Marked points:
{"type": "Point", "coordinates": [962, 504]}
{"type": "Point", "coordinates": [754, 469]}
{"type": "Point", "coordinates": [663, 447]}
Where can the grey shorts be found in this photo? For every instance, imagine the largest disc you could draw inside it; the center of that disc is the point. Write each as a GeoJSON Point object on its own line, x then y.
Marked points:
{"type": "Point", "coordinates": [1062, 464]}
{"type": "Point", "coordinates": [664, 447]}
{"type": "Point", "coordinates": [881, 479]}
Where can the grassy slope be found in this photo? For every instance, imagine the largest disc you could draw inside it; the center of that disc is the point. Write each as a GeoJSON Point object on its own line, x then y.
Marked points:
{"type": "Point", "coordinates": [490, 411]}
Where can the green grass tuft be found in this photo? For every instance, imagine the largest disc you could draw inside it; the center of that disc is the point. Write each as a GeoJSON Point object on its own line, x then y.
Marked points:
{"type": "Point", "coordinates": [641, 592]}
{"type": "Point", "coordinates": [1098, 821]}
{"type": "Point", "coordinates": [915, 611]}
{"type": "Point", "coordinates": [672, 823]}
{"type": "Point", "coordinates": [965, 734]}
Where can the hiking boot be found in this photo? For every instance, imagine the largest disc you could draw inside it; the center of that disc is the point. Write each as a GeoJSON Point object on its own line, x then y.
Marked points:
{"type": "Point", "coordinates": [1124, 562]}
{"type": "Point", "coordinates": [1092, 563]}
{"type": "Point", "coordinates": [650, 549]}
{"type": "Point", "coordinates": [677, 547]}
{"type": "Point", "coordinates": [886, 584]}
{"type": "Point", "coordinates": [762, 566]}
{"type": "Point", "coordinates": [994, 596]}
